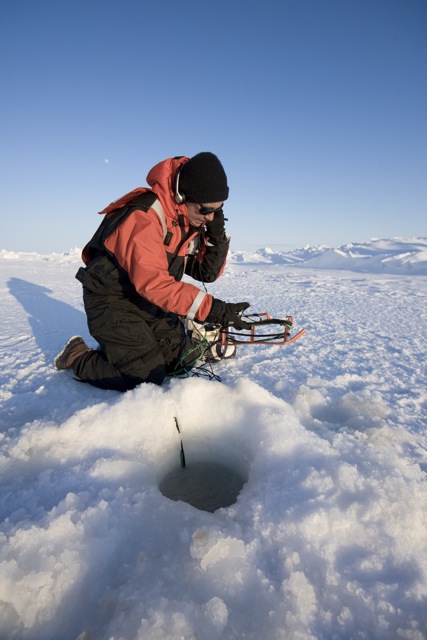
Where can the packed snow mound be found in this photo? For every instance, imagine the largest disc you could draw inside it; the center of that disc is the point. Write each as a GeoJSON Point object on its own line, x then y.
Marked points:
{"type": "Point", "coordinates": [399, 255]}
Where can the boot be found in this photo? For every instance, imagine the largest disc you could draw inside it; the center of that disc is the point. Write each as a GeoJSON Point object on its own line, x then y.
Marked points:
{"type": "Point", "coordinates": [74, 349]}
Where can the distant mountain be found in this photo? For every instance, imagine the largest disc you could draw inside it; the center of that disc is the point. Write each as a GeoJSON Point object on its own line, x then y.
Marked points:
{"type": "Point", "coordinates": [398, 255]}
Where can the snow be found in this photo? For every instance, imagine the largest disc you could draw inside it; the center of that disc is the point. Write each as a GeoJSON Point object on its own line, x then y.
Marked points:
{"type": "Point", "coordinates": [327, 539]}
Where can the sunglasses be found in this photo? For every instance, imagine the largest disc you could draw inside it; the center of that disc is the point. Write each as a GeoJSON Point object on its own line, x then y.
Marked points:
{"type": "Point", "coordinates": [205, 211]}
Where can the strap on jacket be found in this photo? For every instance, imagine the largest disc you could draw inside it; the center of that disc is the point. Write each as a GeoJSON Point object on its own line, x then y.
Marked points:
{"type": "Point", "coordinates": [157, 207]}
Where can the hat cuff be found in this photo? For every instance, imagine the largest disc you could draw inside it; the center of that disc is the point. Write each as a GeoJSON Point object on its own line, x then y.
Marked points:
{"type": "Point", "coordinates": [207, 196]}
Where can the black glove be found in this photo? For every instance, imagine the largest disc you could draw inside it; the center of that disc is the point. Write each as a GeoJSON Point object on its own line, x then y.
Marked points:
{"type": "Point", "coordinates": [226, 314]}
{"type": "Point", "coordinates": [216, 230]}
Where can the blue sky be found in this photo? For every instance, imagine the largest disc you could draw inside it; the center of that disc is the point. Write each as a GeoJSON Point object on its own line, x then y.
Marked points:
{"type": "Point", "coordinates": [317, 109]}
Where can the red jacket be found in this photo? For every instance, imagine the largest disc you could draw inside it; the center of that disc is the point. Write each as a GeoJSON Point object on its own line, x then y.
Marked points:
{"type": "Point", "coordinates": [154, 250]}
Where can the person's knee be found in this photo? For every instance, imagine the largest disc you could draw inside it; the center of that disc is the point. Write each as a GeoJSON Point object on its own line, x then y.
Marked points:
{"type": "Point", "coordinates": [149, 367]}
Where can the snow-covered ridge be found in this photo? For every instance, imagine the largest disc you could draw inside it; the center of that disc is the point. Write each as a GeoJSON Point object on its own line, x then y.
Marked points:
{"type": "Point", "coordinates": [73, 255]}
{"type": "Point", "coordinates": [397, 255]}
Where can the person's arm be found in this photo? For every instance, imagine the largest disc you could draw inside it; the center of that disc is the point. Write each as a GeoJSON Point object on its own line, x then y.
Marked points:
{"type": "Point", "coordinates": [138, 248]}
{"type": "Point", "coordinates": [209, 263]}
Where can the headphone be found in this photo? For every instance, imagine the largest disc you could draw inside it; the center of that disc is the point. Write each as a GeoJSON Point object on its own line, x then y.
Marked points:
{"type": "Point", "coordinates": [179, 197]}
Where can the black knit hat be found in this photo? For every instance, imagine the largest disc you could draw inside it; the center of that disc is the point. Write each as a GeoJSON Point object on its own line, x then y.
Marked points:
{"type": "Point", "coordinates": [202, 179]}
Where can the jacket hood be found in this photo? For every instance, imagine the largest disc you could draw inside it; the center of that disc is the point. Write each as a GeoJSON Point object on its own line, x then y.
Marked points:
{"type": "Point", "coordinates": [161, 179]}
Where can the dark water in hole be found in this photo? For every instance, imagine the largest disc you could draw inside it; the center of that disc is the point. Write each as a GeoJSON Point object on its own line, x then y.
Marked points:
{"type": "Point", "coordinates": [205, 485]}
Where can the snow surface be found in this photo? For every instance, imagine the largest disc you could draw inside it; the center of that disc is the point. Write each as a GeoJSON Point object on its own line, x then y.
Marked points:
{"type": "Point", "coordinates": [327, 539]}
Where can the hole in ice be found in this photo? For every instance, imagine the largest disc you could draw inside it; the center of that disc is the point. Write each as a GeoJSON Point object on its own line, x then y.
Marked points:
{"type": "Point", "coordinates": [206, 485]}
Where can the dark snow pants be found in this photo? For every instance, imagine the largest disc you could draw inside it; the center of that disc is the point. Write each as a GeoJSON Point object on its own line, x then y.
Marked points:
{"type": "Point", "coordinates": [138, 341]}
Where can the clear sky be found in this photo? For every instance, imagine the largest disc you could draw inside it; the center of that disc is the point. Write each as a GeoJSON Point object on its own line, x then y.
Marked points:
{"type": "Point", "coordinates": [317, 109]}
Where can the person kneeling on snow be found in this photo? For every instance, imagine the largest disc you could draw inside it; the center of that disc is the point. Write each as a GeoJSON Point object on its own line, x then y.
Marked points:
{"type": "Point", "coordinates": [133, 296]}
